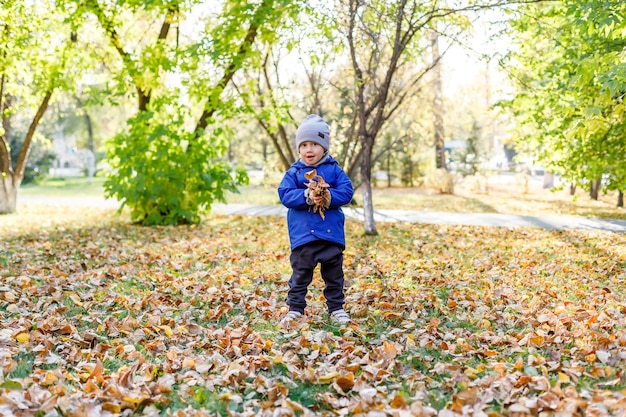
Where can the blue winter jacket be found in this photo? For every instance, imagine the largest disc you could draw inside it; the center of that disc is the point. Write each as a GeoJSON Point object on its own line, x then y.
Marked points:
{"type": "Point", "coordinates": [303, 223]}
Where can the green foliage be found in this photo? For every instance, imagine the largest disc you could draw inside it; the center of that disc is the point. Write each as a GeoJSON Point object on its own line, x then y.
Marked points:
{"type": "Point", "coordinates": [39, 161]}
{"type": "Point", "coordinates": [37, 57]}
{"type": "Point", "coordinates": [167, 166]}
{"type": "Point", "coordinates": [571, 83]}
{"type": "Point", "coordinates": [165, 175]}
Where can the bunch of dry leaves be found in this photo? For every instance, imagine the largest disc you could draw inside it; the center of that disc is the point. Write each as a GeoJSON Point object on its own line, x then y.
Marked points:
{"type": "Point", "coordinates": [318, 187]}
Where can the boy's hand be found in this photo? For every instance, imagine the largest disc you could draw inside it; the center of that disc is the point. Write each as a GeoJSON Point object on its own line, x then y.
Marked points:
{"type": "Point", "coordinates": [322, 200]}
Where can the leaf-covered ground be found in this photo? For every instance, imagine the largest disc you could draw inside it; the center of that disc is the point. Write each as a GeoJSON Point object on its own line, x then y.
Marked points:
{"type": "Point", "coordinates": [102, 318]}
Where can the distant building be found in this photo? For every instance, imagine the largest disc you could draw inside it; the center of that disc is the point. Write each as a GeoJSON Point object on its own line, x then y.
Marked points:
{"type": "Point", "coordinates": [70, 161]}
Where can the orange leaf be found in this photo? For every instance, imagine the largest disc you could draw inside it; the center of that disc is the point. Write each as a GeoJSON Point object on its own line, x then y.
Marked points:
{"type": "Point", "coordinates": [189, 363]}
{"type": "Point", "coordinates": [97, 373]}
{"type": "Point", "coordinates": [389, 350]}
{"type": "Point", "coordinates": [90, 386]}
{"type": "Point", "coordinates": [537, 340]}
{"type": "Point", "coordinates": [346, 382]}
{"type": "Point", "coordinates": [398, 401]}
{"type": "Point", "coordinates": [590, 358]}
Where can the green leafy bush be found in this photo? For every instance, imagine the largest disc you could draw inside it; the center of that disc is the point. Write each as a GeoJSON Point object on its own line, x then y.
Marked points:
{"type": "Point", "coordinates": [166, 175]}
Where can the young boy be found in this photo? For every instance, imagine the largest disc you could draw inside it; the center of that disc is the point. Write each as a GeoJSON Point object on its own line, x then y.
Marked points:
{"type": "Point", "coordinates": [316, 236]}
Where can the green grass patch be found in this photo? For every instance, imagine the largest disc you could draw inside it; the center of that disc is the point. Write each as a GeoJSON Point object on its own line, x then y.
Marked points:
{"type": "Point", "coordinates": [24, 362]}
{"type": "Point", "coordinates": [308, 395]}
{"type": "Point", "coordinates": [199, 398]}
{"type": "Point", "coordinates": [65, 187]}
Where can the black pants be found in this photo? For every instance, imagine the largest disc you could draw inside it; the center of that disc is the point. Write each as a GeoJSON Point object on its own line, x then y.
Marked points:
{"type": "Point", "coordinates": [304, 259]}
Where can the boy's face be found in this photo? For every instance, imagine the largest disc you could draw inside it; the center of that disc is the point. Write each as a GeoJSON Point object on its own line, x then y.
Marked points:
{"type": "Point", "coordinates": [311, 152]}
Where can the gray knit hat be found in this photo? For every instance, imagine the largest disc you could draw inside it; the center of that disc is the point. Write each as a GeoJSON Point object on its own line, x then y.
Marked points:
{"type": "Point", "coordinates": [313, 129]}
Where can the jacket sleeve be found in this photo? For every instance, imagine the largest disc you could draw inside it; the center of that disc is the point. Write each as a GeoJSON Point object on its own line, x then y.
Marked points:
{"type": "Point", "coordinates": [290, 194]}
{"type": "Point", "coordinates": [341, 191]}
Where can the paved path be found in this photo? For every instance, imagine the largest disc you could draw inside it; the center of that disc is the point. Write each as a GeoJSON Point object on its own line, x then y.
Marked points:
{"type": "Point", "coordinates": [468, 219]}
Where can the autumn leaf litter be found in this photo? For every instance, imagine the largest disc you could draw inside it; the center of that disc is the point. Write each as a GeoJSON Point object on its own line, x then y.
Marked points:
{"type": "Point", "coordinates": [103, 318]}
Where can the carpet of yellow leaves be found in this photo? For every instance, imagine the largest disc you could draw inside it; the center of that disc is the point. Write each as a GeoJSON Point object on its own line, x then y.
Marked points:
{"type": "Point", "coordinates": [101, 318]}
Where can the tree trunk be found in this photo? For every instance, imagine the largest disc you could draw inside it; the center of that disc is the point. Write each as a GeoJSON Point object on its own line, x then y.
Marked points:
{"type": "Point", "coordinates": [595, 188]}
{"type": "Point", "coordinates": [548, 180]}
{"type": "Point", "coordinates": [389, 168]}
{"type": "Point", "coordinates": [90, 143]}
{"type": "Point", "coordinates": [620, 198]}
{"type": "Point", "coordinates": [8, 195]}
{"type": "Point", "coordinates": [572, 189]}
{"type": "Point", "coordinates": [11, 179]}
{"type": "Point", "coordinates": [440, 149]}
{"type": "Point", "coordinates": [366, 188]}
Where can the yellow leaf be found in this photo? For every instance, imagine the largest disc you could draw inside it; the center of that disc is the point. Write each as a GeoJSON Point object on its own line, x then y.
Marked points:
{"type": "Point", "coordinates": [97, 374]}
{"type": "Point", "coordinates": [471, 373]}
{"type": "Point", "coordinates": [500, 368]}
{"type": "Point", "coordinates": [297, 407]}
{"type": "Point", "coordinates": [135, 401]}
{"type": "Point", "coordinates": [49, 379]}
{"type": "Point", "coordinates": [489, 353]}
{"type": "Point", "coordinates": [391, 315]}
{"type": "Point", "coordinates": [76, 299]}
{"type": "Point", "coordinates": [537, 340]}
{"type": "Point", "coordinates": [112, 408]}
{"type": "Point", "coordinates": [328, 378]}
{"type": "Point", "coordinates": [167, 329]}
{"type": "Point", "coordinates": [22, 337]}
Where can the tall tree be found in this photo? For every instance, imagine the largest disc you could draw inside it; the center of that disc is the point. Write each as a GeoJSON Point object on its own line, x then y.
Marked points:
{"type": "Point", "coordinates": [383, 39]}
{"type": "Point", "coordinates": [388, 45]}
{"type": "Point", "coordinates": [571, 85]}
{"type": "Point", "coordinates": [37, 57]}
{"type": "Point", "coordinates": [168, 166]}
